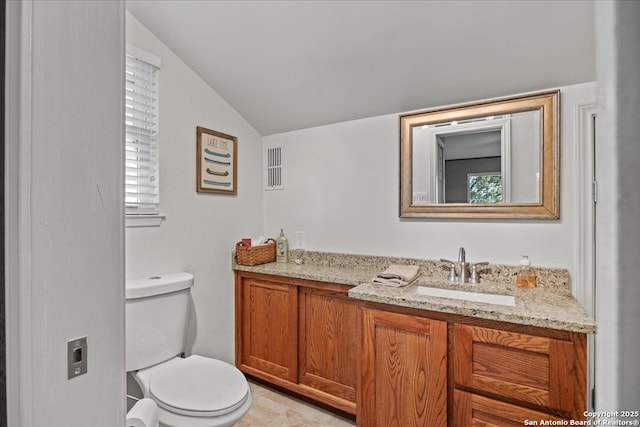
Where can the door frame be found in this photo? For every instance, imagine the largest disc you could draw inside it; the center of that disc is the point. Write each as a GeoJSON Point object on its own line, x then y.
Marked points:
{"type": "Point", "coordinates": [584, 283]}
{"type": "Point", "coordinates": [3, 357]}
{"type": "Point", "coordinates": [17, 151]}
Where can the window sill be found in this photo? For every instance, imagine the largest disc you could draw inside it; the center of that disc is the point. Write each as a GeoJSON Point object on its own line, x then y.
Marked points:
{"type": "Point", "coordinates": [143, 220]}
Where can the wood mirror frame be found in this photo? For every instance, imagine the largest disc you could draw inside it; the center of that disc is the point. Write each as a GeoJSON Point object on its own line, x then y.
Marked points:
{"type": "Point", "coordinates": [548, 204]}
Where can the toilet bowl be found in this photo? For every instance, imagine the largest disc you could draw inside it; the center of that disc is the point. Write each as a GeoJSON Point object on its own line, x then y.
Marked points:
{"type": "Point", "coordinates": [195, 391]}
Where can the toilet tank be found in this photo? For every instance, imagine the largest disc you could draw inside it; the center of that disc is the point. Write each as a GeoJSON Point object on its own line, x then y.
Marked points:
{"type": "Point", "coordinates": [156, 315]}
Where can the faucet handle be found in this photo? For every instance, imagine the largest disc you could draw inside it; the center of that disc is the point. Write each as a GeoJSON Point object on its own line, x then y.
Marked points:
{"type": "Point", "coordinates": [452, 270]}
{"type": "Point", "coordinates": [475, 277]}
{"type": "Point", "coordinates": [452, 273]}
{"type": "Point", "coordinates": [473, 264]}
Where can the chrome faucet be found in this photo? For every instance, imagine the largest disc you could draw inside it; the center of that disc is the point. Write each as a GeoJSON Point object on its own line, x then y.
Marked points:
{"type": "Point", "coordinates": [468, 271]}
{"type": "Point", "coordinates": [464, 267]}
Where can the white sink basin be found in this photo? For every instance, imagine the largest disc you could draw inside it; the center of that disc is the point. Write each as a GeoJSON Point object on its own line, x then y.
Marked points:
{"type": "Point", "coordinates": [467, 296]}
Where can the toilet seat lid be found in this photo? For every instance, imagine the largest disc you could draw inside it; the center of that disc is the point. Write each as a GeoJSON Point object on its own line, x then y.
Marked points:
{"type": "Point", "coordinates": [199, 386]}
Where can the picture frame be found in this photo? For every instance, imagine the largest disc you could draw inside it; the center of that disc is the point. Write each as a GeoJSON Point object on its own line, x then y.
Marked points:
{"type": "Point", "coordinates": [216, 162]}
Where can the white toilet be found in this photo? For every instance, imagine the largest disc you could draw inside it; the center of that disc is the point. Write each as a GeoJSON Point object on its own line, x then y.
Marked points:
{"type": "Point", "coordinates": [190, 392]}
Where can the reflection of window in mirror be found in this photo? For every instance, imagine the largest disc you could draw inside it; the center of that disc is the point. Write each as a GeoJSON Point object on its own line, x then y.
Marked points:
{"type": "Point", "coordinates": [444, 153]}
{"type": "Point", "coordinates": [469, 153]}
{"type": "Point", "coordinates": [484, 187]}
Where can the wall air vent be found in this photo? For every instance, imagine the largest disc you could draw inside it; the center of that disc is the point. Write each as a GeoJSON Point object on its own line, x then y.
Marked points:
{"type": "Point", "coordinates": [274, 167]}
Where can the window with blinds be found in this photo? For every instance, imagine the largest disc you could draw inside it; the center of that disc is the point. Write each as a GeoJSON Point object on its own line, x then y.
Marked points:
{"type": "Point", "coordinates": [142, 191]}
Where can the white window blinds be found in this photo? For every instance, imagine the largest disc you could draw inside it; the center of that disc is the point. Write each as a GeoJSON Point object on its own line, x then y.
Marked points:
{"type": "Point", "coordinates": [142, 192]}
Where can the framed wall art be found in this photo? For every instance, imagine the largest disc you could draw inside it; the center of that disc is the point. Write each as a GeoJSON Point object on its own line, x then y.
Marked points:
{"type": "Point", "coordinates": [216, 162]}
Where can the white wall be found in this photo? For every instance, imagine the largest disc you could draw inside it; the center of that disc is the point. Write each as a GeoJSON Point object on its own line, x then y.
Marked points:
{"type": "Point", "coordinates": [65, 268]}
{"type": "Point", "coordinates": [342, 191]}
{"type": "Point", "coordinates": [200, 229]}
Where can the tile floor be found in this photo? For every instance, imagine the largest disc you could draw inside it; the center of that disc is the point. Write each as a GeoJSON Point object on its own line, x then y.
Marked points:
{"type": "Point", "coordinates": [273, 408]}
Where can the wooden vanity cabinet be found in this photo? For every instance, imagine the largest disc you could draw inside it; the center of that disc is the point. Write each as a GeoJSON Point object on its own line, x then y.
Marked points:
{"type": "Point", "coordinates": [267, 329]}
{"type": "Point", "coordinates": [299, 335]}
{"type": "Point", "coordinates": [404, 366]}
{"type": "Point", "coordinates": [422, 368]}
{"type": "Point", "coordinates": [477, 410]}
{"type": "Point", "coordinates": [521, 373]}
{"type": "Point", "coordinates": [403, 370]}
{"type": "Point", "coordinates": [328, 347]}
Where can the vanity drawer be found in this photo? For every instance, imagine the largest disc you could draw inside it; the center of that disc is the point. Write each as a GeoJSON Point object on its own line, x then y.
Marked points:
{"type": "Point", "coordinates": [521, 368]}
{"type": "Point", "coordinates": [474, 410]}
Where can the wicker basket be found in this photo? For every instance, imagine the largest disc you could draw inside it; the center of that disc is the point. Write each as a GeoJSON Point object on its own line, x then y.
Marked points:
{"type": "Point", "coordinates": [254, 255]}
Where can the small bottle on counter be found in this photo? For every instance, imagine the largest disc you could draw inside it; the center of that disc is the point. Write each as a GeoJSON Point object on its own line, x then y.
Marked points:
{"type": "Point", "coordinates": [282, 248]}
{"type": "Point", "coordinates": [525, 278]}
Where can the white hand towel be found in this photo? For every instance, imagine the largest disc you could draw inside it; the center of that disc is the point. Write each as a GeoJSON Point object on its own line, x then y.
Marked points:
{"type": "Point", "coordinates": [397, 275]}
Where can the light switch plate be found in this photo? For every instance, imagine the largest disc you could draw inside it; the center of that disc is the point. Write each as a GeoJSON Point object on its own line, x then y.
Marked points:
{"type": "Point", "coordinates": [77, 353]}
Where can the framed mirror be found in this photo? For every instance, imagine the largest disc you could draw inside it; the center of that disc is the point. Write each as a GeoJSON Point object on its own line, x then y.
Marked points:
{"type": "Point", "coordinates": [492, 159]}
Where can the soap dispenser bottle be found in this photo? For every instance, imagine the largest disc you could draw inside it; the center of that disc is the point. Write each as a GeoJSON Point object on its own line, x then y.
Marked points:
{"type": "Point", "coordinates": [282, 248]}
{"type": "Point", "coordinates": [525, 278]}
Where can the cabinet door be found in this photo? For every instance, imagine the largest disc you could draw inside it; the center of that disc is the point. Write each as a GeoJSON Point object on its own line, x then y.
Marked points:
{"type": "Point", "coordinates": [269, 328]}
{"type": "Point", "coordinates": [531, 369]}
{"type": "Point", "coordinates": [328, 343]}
{"type": "Point", "coordinates": [403, 371]}
{"type": "Point", "coordinates": [472, 410]}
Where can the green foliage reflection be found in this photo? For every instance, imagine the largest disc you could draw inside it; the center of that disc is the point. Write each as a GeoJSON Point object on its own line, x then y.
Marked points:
{"type": "Point", "coordinates": [485, 188]}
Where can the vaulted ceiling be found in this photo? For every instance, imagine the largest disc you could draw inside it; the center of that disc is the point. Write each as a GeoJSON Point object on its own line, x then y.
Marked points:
{"type": "Point", "coordinates": [286, 65]}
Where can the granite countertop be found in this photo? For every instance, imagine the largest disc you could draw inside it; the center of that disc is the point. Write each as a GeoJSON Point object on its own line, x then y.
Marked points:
{"type": "Point", "coordinates": [549, 305]}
